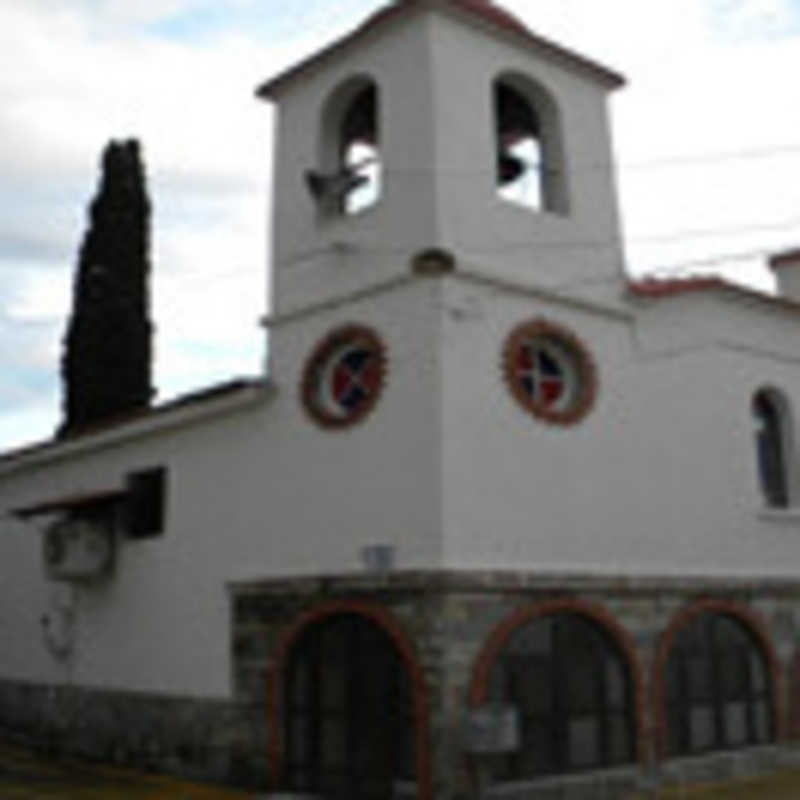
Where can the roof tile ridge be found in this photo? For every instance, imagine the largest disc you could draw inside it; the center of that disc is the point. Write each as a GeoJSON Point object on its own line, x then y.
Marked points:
{"type": "Point", "coordinates": [652, 286]}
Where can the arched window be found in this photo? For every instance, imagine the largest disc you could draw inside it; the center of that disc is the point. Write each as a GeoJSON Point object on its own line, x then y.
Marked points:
{"type": "Point", "coordinates": [718, 693]}
{"type": "Point", "coordinates": [573, 693]}
{"type": "Point", "coordinates": [350, 178]}
{"type": "Point", "coordinates": [773, 446]}
{"type": "Point", "coordinates": [530, 162]}
{"type": "Point", "coordinates": [348, 716]}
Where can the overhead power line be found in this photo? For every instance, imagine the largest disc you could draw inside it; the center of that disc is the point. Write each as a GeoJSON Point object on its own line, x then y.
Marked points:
{"type": "Point", "coordinates": [659, 162]}
{"type": "Point", "coordinates": [197, 283]}
{"type": "Point", "coordinates": [744, 154]}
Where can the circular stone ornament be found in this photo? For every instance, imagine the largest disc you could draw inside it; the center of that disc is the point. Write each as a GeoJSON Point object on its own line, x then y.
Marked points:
{"type": "Point", "coordinates": [343, 377]}
{"type": "Point", "coordinates": [549, 372]}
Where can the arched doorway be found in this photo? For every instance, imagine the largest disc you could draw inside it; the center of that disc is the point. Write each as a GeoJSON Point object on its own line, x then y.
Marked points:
{"type": "Point", "coordinates": [348, 715]}
{"type": "Point", "coordinates": [571, 671]}
{"type": "Point", "coordinates": [718, 688]}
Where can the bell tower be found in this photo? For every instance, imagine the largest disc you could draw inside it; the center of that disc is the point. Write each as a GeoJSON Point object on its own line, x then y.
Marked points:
{"type": "Point", "coordinates": [441, 124]}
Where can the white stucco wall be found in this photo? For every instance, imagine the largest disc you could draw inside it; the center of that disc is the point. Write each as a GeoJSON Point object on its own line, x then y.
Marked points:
{"type": "Point", "coordinates": [660, 478]}
{"type": "Point", "coordinates": [435, 76]}
{"type": "Point", "coordinates": [500, 238]}
{"type": "Point", "coordinates": [377, 243]}
{"type": "Point", "coordinates": [259, 493]}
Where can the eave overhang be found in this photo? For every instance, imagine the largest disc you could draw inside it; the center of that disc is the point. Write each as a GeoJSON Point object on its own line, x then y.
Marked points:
{"type": "Point", "coordinates": [487, 16]}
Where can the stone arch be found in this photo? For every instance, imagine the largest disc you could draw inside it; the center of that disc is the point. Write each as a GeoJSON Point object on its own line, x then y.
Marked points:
{"type": "Point", "coordinates": [596, 614]}
{"type": "Point", "coordinates": [395, 633]}
{"type": "Point", "coordinates": [754, 625]}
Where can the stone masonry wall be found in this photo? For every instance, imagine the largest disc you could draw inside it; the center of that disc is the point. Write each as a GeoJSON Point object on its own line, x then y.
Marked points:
{"type": "Point", "coordinates": [196, 739]}
{"type": "Point", "coordinates": [449, 618]}
{"type": "Point", "coordinates": [445, 625]}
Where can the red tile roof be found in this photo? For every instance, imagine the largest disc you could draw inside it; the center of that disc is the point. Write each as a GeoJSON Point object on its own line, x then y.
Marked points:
{"type": "Point", "coordinates": [494, 14]}
{"type": "Point", "coordinates": [788, 258]}
{"type": "Point", "coordinates": [655, 287]}
{"type": "Point", "coordinates": [481, 10]}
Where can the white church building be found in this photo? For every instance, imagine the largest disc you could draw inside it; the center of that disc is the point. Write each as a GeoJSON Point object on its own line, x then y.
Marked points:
{"type": "Point", "coordinates": [496, 519]}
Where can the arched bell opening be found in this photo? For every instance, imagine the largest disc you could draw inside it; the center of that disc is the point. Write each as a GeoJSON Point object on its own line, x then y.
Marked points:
{"type": "Point", "coordinates": [529, 149]}
{"type": "Point", "coordinates": [350, 177]}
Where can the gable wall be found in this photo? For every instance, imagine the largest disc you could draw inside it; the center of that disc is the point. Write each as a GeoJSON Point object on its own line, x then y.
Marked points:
{"type": "Point", "coordinates": [659, 478]}
{"type": "Point", "coordinates": [260, 493]}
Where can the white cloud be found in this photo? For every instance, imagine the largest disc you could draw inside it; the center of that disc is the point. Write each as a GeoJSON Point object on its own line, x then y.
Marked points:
{"type": "Point", "coordinates": [707, 76]}
{"type": "Point", "coordinates": [755, 19]}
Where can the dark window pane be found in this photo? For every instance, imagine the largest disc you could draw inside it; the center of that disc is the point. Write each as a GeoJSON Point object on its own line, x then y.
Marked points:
{"type": "Point", "coordinates": [333, 784]}
{"type": "Point", "coordinates": [694, 638]}
{"type": "Point", "coordinates": [535, 638]}
{"type": "Point", "coordinates": [615, 684]}
{"type": "Point", "coordinates": [701, 728]}
{"type": "Point", "coordinates": [537, 756]}
{"type": "Point", "coordinates": [350, 723]}
{"type": "Point", "coordinates": [497, 682]}
{"type": "Point", "coordinates": [676, 735]}
{"type": "Point", "coordinates": [406, 753]}
{"type": "Point", "coordinates": [570, 684]}
{"type": "Point", "coordinates": [145, 502]}
{"type": "Point", "coordinates": [758, 673]}
{"type": "Point", "coordinates": [619, 739]}
{"type": "Point", "coordinates": [334, 743]}
{"type": "Point", "coordinates": [770, 449]}
{"type": "Point", "coordinates": [716, 682]}
{"type": "Point", "coordinates": [674, 681]}
{"type": "Point", "coordinates": [583, 690]}
{"type": "Point", "coordinates": [531, 686]}
{"type": "Point", "coordinates": [333, 680]}
{"type": "Point", "coordinates": [728, 633]}
{"type": "Point", "coordinates": [299, 683]}
{"type": "Point", "coordinates": [584, 742]}
{"type": "Point", "coordinates": [735, 724]}
{"type": "Point", "coordinates": [734, 674]}
{"type": "Point", "coordinates": [299, 739]}
{"type": "Point", "coordinates": [763, 723]}
{"type": "Point", "coordinates": [698, 671]}
{"type": "Point", "coordinates": [578, 637]}
{"type": "Point", "coordinates": [299, 780]}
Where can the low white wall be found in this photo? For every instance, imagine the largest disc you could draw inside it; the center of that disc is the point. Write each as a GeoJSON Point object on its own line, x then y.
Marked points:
{"type": "Point", "coordinates": [659, 478]}
{"type": "Point", "coordinates": [260, 493]}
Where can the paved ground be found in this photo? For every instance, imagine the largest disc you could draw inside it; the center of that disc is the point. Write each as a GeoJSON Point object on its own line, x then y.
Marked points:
{"type": "Point", "coordinates": [25, 777]}
{"type": "Point", "coordinates": [783, 786]}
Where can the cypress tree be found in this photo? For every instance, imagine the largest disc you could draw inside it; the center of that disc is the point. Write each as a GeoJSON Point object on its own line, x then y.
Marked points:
{"type": "Point", "coordinates": [106, 365]}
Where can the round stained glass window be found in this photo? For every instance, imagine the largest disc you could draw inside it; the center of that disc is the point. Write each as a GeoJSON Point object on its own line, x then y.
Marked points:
{"type": "Point", "coordinates": [344, 376]}
{"type": "Point", "coordinates": [549, 372]}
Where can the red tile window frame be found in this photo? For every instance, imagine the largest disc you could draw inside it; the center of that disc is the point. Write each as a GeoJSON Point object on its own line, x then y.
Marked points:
{"type": "Point", "coordinates": [586, 372]}
{"type": "Point", "coordinates": [309, 385]}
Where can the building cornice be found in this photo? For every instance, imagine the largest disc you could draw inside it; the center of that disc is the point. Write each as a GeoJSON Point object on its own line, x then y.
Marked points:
{"type": "Point", "coordinates": [704, 583]}
{"type": "Point", "coordinates": [473, 275]}
{"type": "Point", "coordinates": [486, 15]}
{"type": "Point", "coordinates": [210, 403]}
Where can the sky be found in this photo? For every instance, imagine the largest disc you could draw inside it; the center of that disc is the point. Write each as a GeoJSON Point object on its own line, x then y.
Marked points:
{"type": "Point", "coordinates": [706, 133]}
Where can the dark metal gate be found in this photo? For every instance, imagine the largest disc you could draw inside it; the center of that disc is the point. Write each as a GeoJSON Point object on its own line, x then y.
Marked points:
{"type": "Point", "coordinates": [348, 718]}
